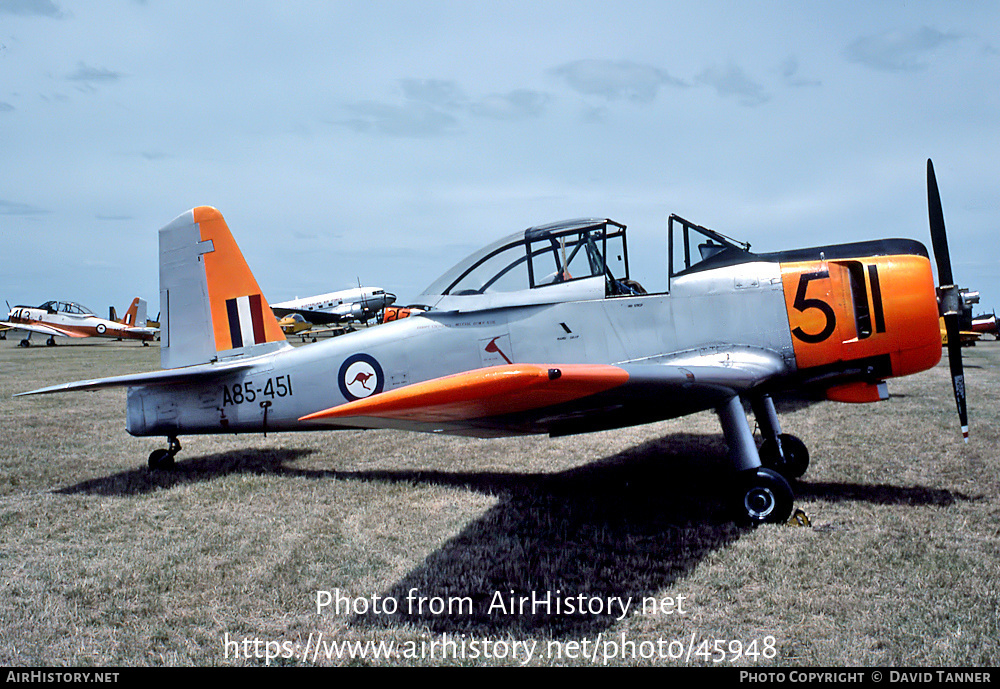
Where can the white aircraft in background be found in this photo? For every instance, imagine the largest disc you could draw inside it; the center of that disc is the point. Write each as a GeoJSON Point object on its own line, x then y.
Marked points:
{"type": "Point", "coordinates": [68, 319]}
{"type": "Point", "coordinates": [356, 304]}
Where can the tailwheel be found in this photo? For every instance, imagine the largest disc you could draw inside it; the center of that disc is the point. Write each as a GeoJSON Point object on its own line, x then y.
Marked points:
{"type": "Point", "coordinates": [763, 496]}
{"type": "Point", "coordinates": [786, 455]}
{"type": "Point", "coordinates": [164, 458]}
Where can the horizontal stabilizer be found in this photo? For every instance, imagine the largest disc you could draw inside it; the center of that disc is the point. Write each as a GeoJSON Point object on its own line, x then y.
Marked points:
{"type": "Point", "coordinates": [482, 393]}
{"type": "Point", "coordinates": [165, 377]}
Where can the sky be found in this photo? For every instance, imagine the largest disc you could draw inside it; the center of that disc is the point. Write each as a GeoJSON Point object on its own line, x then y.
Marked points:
{"type": "Point", "coordinates": [380, 142]}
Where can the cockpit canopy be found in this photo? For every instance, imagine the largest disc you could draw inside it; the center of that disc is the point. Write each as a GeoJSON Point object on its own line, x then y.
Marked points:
{"type": "Point", "coordinates": [66, 307]}
{"type": "Point", "coordinates": [540, 258]}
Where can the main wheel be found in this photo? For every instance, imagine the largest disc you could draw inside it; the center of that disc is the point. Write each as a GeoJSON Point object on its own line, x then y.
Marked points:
{"type": "Point", "coordinates": [161, 459]}
{"type": "Point", "coordinates": [763, 497]}
{"type": "Point", "coordinates": [795, 460]}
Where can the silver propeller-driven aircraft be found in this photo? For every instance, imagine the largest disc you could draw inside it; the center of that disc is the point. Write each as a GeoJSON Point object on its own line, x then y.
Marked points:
{"type": "Point", "coordinates": [356, 304]}
{"type": "Point", "coordinates": [546, 332]}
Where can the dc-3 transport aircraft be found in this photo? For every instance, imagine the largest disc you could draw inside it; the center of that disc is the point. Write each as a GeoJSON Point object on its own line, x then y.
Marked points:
{"type": "Point", "coordinates": [356, 304]}
{"type": "Point", "coordinates": [546, 332]}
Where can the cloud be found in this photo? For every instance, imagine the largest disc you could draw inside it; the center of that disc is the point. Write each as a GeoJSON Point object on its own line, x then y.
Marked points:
{"type": "Point", "coordinates": [44, 8]}
{"type": "Point", "coordinates": [896, 51]}
{"type": "Point", "coordinates": [518, 104]}
{"type": "Point", "coordinates": [790, 73]}
{"type": "Point", "coordinates": [615, 79]}
{"type": "Point", "coordinates": [91, 74]}
{"type": "Point", "coordinates": [12, 208]}
{"type": "Point", "coordinates": [433, 107]}
{"type": "Point", "coordinates": [5, 107]}
{"type": "Point", "coordinates": [733, 81]}
{"type": "Point", "coordinates": [434, 92]}
{"type": "Point", "coordinates": [412, 119]}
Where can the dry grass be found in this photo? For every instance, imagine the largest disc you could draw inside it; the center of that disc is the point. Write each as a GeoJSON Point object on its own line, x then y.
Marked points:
{"type": "Point", "coordinates": [105, 563]}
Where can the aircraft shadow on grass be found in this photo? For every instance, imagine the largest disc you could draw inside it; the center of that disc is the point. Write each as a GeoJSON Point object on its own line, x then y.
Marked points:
{"type": "Point", "coordinates": [629, 525]}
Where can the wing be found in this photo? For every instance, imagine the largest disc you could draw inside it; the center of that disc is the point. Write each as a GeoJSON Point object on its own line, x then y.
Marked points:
{"type": "Point", "coordinates": [316, 317]}
{"type": "Point", "coordinates": [44, 329]}
{"type": "Point", "coordinates": [144, 330]}
{"type": "Point", "coordinates": [559, 399]}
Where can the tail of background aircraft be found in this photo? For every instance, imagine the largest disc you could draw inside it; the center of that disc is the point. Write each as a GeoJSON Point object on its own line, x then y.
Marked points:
{"type": "Point", "coordinates": [135, 316]}
{"type": "Point", "coordinates": [211, 305]}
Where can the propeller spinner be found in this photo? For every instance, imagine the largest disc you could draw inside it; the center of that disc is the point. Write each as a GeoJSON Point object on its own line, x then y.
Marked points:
{"type": "Point", "coordinates": [949, 297]}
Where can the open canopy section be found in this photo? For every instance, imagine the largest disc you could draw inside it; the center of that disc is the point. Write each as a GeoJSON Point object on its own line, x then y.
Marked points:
{"type": "Point", "coordinates": [693, 248]}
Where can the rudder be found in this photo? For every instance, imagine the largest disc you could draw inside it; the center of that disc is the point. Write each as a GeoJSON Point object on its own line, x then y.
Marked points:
{"type": "Point", "coordinates": [135, 316]}
{"type": "Point", "coordinates": [212, 305]}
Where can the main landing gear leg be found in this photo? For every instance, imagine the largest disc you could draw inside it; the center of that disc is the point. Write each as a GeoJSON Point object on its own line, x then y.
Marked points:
{"type": "Point", "coordinates": [781, 452]}
{"type": "Point", "coordinates": [164, 459]}
{"type": "Point", "coordinates": [761, 495]}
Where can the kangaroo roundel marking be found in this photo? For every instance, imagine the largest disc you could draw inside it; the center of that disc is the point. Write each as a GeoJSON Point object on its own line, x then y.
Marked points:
{"type": "Point", "coordinates": [101, 328]}
{"type": "Point", "coordinates": [360, 376]}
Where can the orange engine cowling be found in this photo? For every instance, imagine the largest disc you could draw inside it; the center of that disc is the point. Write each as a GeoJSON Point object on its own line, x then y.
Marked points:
{"type": "Point", "coordinates": [870, 317]}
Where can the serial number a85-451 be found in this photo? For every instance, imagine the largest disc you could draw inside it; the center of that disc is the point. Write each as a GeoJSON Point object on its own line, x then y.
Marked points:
{"type": "Point", "coordinates": [248, 392]}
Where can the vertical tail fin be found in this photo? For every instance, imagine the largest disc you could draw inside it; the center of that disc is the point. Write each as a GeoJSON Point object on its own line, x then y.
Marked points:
{"type": "Point", "coordinates": [140, 312]}
{"type": "Point", "coordinates": [211, 304]}
{"type": "Point", "coordinates": [135, 316]}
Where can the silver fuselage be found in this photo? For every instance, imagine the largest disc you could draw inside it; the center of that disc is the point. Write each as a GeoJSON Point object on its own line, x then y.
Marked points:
{"type": "Point", "coordinates": [741, 305]}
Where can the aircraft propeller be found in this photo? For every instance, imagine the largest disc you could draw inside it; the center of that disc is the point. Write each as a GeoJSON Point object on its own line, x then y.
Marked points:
{"type": "Point", "coordinates": [949, 297]}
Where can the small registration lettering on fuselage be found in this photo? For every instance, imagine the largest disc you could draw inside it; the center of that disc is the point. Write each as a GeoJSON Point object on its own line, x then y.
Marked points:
{"type": "Point", "coordinates": [247, 392]}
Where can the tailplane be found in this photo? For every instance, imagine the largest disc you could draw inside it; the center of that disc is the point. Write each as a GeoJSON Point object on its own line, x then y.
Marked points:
{"type": "Point", "coordinates": [212, 307]}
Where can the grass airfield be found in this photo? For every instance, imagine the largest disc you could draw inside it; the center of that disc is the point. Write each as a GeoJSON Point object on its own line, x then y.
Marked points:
{"type": "Point", "coordinates": [106, 563]}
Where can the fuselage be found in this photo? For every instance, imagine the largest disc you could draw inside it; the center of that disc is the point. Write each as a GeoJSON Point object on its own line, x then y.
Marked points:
{"type": "Point", "coordinates": [360, 303]}
{"type": "Point", "coordinates": [76, 324]}
{"type": "Point", "coordinates": [838, 317]}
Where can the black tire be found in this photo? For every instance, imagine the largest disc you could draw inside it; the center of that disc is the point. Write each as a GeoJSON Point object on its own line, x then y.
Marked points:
{"type": "Point", "coordinates": [161, 459]}
{"type": "Point", "coordinates": [795, 462]}
{"type": "Point", "coordinates": [763, 497]}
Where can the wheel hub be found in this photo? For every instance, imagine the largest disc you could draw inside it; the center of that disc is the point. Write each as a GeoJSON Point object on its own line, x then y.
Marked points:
{"type": "Point", "coordinates": [759, 502]}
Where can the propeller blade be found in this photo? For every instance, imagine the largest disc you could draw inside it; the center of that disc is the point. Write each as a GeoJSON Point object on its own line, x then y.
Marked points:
{"type": "Point", "coordinates": [939, 239]}
{"type": "Point", "coordinates": [951, 324]}
{"type": "Point", "coordinates": [949, 298]}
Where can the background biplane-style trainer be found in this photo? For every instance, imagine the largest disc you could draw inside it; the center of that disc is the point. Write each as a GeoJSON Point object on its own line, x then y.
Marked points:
{"type": "Point", "coordinates": [546, 332]}
{"type": "Point", "coordinates": [69, 319]}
